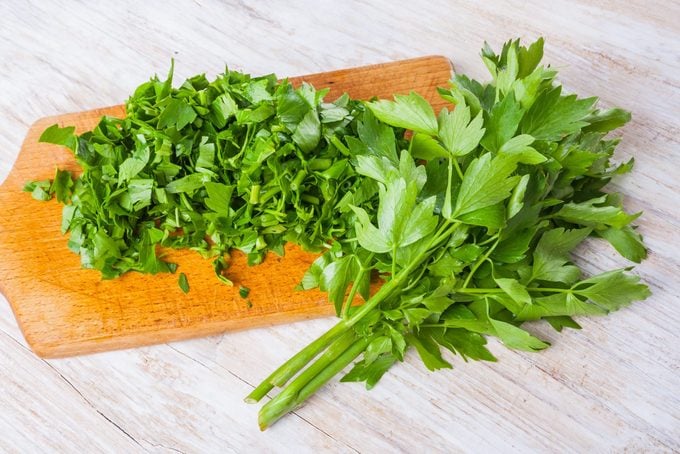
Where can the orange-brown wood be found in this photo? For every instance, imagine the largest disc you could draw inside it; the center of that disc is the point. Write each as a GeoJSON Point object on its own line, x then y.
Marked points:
{"type": "Point", "coordinates": [65, 310]}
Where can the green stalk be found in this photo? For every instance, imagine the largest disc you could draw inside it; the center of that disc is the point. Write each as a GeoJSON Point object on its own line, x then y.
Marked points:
{"type": "Point", "coordinates": [457, 166]}
{"type": "Point", "coordinates": [355, 287]}
{"type": "Point", "coordinates": [353, 291]}
{"type": "Point", "coordinates": [298, 179]}
{"type": "Point", "coordinates": [296, 393]}
{"type": "Point", "coordinates": [291, 367]}
{"type": "Point", "coordinates": [285, 400]}
{"type": "Point", "coordinates": [498, 290]}
{"type": "Point", "coordinates": [481, 260]}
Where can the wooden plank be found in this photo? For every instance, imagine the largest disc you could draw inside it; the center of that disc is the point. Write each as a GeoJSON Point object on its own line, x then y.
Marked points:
{"type": "Point", "coordinates": [65, 310]}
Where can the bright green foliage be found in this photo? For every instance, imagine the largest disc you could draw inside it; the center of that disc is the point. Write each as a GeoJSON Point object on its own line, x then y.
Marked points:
{"type": "Point", "coordinates": [407, 111]}
{"type": "Point", "coordinates": [480, 240]}
{"type": "Point", "coordinates": [471, 243]}
{"type": "Point", "coordinates": [238, 162]}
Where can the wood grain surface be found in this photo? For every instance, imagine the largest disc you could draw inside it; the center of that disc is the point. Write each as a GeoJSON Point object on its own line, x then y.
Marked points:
{"type": "Point", "coordinates": [64, 310]}
{"type": "Point", "coordinates": [612, 387]}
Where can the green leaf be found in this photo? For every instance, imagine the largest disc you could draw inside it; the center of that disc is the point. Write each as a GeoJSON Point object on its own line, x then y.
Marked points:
{"type": "Point", "coordinates": [552, 255]}
{"type": "Point", "coordinates": [377, 347]}
{"type": "Point", "coordinates": [410, 111]}
{"type": "Point", "coordinates": [560, 322]}
{"type": "Point", "coordinates": [335, 278]}
{"type": "Point", "coordinates": [501, 123]}
{"type": "Point", "coordinates": [465, 343]}
{"type": "Point", "coordinates": [553, 116]}
{"type": "Point", "coordinates": [378, 137]}
{"type": "Point", "coordinates": [60, 136]}
{"type": "Point", "coordinates": [517, 338]}
{"type": "Point", "coordinates": [458, 134]}
{"type": "Point", "coordinates": [140, 191]}
{"type": "Point", "coordinates": [219, 197]}
{"type": "Point", "coordinates": [563, 304]}
{"type": "Point", "coordinates": [333, 114]}
{"type": "Point", "coordinates": [40, 190]}
{"type": "Point", "coordinates": [177, 113]}
{"type": "Point", "coordinates": [400, 221]}
{"type": "Point", "coordinates": [188, 183]}
{"type": "Point", "coordinates": [291, 107]}
{"type": "Point", "coordinates": [486, 181]}
{"type": "Point", "coordinates": [492, 217]}
{"type": "Point", "coordinates": [463, 90]}
{"type": "Point", "coordinates": [206, 157]}
{"type": "Point", "coordinates": [312, 276]}
{"type": "Point", "coordinates": [395, 202]}
{"type": "Point", "coordinates": [626, 241]}
{"type": "Point", "coordinates": [415, 316]}
{"type": "Point", "coordinates": [308, 132]}
{"type": "Point", "coordinates": [62, 185]}
{"type": "Point", "coordinates": [420, 223]}
{"type": "Point", "coordinates": [529, 57]}
{"type": "Point", "coordinates": [220, 265]}
{"type": "Point", "coordinates": [256, 91]}
{"type": "Point", "coordinates": [379, 168]}
{"type": "Point", "coordinates": [596, 213]}
{"type": "Point", "coordinates": [223, 108]}
{"type": "Point", "coordinates": [427, 148]}
{"type": "Point", "coordinates": [514, 248]}
{"type": "Point", "coordinates": [519, 150]}
{"type": "Point", "coordinates": [129, 169]}
{"type": "Point", "coordinates": [516, 201]}
{"type": "Point", "coordinates": [183, 282]}
{"type": "Point", "coordinates": [506, 75]}
{"type": "Point", "coordinates": [368, 235]}
{"type": "Point", "coordinates": [429, 352]}
{"type": "Point", "coordinates": [370, 373]}
{"type": "Point", "coordinates": [510, 335]}
{"type": "Point", "coordinates": [409, 171]}
{"type": "Point", "coordinates": [514, 290]}
{"type": "Point", "coordinates": [613, 290]}
{"type": "Point", "coordinates": [606, 120]}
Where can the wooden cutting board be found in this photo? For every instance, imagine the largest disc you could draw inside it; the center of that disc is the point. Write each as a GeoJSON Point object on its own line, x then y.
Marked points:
{"type": "Point", "coordinates": [64, 310]}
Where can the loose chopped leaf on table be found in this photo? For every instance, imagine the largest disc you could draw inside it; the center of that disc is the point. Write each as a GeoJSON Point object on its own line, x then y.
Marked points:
{"type": "Point", "coordinates": [469, 220]}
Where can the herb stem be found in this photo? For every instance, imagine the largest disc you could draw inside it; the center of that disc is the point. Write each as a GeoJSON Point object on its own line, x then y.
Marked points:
{"type": "Point", "coordinates": [498, 290]}
{"type": "Point", "coordinates": [457, 167]}
{"type": "Point", "coordinates": [291, 367]}
{"type": "Point", "coordinates": [479, 262]}
{"type": "Point", "coordinates": [398, 279]}
{"type": "Point", "coordinates": [336, 358]}
{"type": "Point", "coordinates": [355, 285]}
{"type": "Point", "coordinates": [273, 411]}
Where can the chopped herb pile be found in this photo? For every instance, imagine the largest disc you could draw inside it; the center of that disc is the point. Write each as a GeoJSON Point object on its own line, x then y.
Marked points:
{"type": "Point", "coordinates": [469, 222]}
{"type": "Point", "coordinates": [237, 163]}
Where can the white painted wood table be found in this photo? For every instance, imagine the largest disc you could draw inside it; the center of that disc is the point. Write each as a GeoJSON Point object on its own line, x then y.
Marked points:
{"type": "Point", "coordinates": [614, 386]}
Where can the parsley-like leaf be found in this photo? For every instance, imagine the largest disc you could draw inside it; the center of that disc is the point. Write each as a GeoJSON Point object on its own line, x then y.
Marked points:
{"type": "Point", "coordinates": [407, 111]}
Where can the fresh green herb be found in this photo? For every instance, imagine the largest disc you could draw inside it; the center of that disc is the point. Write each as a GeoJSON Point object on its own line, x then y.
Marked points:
{"type": "Point", "coordinates": [470, 222]}
{"type": "Point", "coordinates": [477, 240]}
{"type": "Point", "coordinates": [243, 292]}
{"type": "Point", "coordinates": [236, 163]}
{"type": "Point", "coordinates": [183, 282]}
